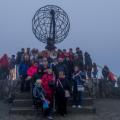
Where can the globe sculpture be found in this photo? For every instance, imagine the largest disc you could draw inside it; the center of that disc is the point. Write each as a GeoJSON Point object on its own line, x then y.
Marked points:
{"type": "Point", "coordinates": [50, 25]}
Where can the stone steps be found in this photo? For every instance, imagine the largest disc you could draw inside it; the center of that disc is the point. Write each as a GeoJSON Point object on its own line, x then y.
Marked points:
{"type": "Point", "coordinates": [28, 102]}
{"type": "Point", "coordinates": [25, 95]}
{"type": "Point", "coordinates": [23, 105]}
{"type": "Point", "coordinates": [32, 111]}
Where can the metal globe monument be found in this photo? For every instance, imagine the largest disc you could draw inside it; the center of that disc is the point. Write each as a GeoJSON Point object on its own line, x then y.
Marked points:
{"type": "Point", "coordinates": [50, 25]}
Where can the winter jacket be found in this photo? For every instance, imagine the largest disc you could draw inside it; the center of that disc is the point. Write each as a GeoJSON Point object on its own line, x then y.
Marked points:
{"type": "Point", "coordinates": [88, 62]}
{"type": "Point", "coordinates": [61, 86]}
{"type": "Point", "coordinates": [61, 67]}
{"type": "Point", "coordinates": [77, 80]}
{"type": "Point", "coordinates": [46, 78]}
{"type": "Point", "coordinates": [78, 62]}
{"type": "Point", "coordinates": [111, 76]}
{"type": "Point", "coordinates": [105, 72]}
{"type": "Point", "coordinates": [23, 69]}
{"type": "Point", "coordinates": [4, 61]}
{"type": "Point", "coordinates": [32, 71]}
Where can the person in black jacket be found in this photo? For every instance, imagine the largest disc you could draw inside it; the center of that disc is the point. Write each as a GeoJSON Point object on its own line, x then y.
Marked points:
{"type": "Point", "coordinates": [105, 72]}
{"type": "Point", "coordinates": [88, 64]}
{"type": "Point", "coordinates": [60, 67]}
{"type": "Point", "coordinates": [61, 87]}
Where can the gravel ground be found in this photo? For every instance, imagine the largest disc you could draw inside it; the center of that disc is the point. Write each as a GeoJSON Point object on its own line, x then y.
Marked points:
{"type": "Point", "coordinates": [107, 109]}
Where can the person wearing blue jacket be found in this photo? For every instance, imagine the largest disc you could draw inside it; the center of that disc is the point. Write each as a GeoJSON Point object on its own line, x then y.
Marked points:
{"type": "Point", "coordinates": [78, 87]}
{"type": "Point", "coordinates": [24, 65]}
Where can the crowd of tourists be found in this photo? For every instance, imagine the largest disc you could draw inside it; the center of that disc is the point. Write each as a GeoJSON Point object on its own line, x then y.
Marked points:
{"type": "Point", "coordinates": [52, 75]}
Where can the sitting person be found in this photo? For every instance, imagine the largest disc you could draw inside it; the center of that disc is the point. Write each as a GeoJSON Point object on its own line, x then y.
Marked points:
{"type": "Point", "coordinates": [38, 94]}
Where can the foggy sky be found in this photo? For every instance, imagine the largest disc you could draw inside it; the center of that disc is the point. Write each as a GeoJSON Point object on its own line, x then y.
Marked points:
{"type": "Point", "coordinates": [95, 27]}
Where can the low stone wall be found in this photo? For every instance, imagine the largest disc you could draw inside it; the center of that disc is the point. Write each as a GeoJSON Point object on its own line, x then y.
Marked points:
{"type": "Point", "coordinates": [107, 89]}
{"type": "Point", "coordinates": [8, 88]}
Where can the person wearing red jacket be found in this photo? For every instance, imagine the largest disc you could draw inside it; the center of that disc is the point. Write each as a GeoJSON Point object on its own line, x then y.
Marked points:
{"type": "Point", "coordinates": [32, 70]}
{"type": "Point", "coordinates": [111, 78]}
{"type": "Point", "coordinates": [30, 73]}
{"type": "Point", "coordinates": [4, 61]}
{"type": "Point", "coordinates": [45, 80]}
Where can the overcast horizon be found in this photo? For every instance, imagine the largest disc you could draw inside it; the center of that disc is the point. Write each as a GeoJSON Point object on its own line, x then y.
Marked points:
{"type": "Point", "coordinates": [95, 27]}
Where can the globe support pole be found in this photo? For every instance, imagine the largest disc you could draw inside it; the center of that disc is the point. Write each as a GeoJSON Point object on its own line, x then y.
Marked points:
{"type": "Point", "coordinates": [51, 39]}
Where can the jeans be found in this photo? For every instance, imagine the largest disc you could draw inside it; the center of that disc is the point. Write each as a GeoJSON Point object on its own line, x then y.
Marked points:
{"type": "Point", "coordinates": [77, 98]}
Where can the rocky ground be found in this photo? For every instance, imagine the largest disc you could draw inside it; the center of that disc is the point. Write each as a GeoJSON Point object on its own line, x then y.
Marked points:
{"type": "Point", "coordinates": [107, 109]}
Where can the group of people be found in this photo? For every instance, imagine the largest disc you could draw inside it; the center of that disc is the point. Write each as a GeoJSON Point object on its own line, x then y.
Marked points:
{"type": "Point", "coordinates": [54, 75]}
{"type": "Point", "coordinates": [51, 75]}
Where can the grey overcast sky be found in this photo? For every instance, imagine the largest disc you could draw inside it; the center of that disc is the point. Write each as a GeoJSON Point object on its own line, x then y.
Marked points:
{"type": "Point", "coordinates": [95, 27]}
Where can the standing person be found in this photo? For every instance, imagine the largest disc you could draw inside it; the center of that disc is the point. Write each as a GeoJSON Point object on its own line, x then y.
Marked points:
{"type": "Point", "coordinates": [12, 67]}
{"type": "Point", "coordinates": [46, 79]}
{"type": "Point", "coordinates": [105, 72]}
{"type": "Point", "coordinates": [71, 54]}
{"type": "Point", "coordinates": [80, 54]}
{"type": "Point", "coordinates": [5, 66]}
{"type": "Point", "coordinates": [45, 64]}
{"type": "Point", "coordinates": [0, 72]}
{"type": "Point", "coordinates": [78, 87]}
{"type": "Point", "coordinates": [62, 86]}
{"type": "Point", "coordinates": [88, 64]}
{"type": "Point", "coordinates": [69, 64]}
{"type": "Point", "coordinates": [111, 78]}
{"type": "Point", "coordinates": [23, 67]}
{"type": "Point", "coordinates": [94, 70]}
{"type": "Point", "coordinates": [78, 61]}
{"type": "Point", "coordinates": [61, 67]}
{"type": "Point", "coordinates": [18, 61]}
{"type": "Point", "coordinates": [30, 73]}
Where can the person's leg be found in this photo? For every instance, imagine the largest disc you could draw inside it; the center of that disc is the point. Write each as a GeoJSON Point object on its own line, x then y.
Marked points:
{"type": "Point", "coordinates": [65, 106]}
{"type": "Point", "coordinates": [27, 85]}
{"type": "Point", "coordinates": [58, 99]}
{"type": "Point", "coordinates": [62, 108]}
{"type": "Point", "coordinates": [48, 112]}
{"type": "Point", "coordinates": [22, 83]}
{"type": "Point", "coordinates": [74, 103]}
{"type": "Point", "coordinates": [80, 98]}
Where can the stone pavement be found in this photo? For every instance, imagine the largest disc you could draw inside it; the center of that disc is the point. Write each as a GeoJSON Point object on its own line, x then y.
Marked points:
{"type": "Point", "coordinates": [107, 109]}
